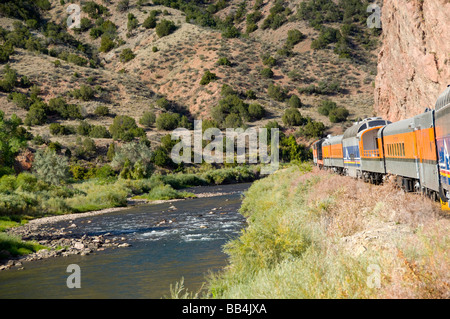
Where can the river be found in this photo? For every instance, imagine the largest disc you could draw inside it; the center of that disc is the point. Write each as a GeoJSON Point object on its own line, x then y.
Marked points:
{"type": "Point", "coordinates": [189, 245]}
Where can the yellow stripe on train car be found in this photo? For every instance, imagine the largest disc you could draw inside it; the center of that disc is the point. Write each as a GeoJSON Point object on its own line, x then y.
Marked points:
{"type": "Point", "coordinates": [445, 174]}
{"type": "Point", "coordinates": [444, 206]}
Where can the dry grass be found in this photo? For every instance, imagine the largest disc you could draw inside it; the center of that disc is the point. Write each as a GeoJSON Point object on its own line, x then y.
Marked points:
{"type": "Point", "coordinates": [323, 234]}
{"type": "Point", "coordinates": [409, 228]}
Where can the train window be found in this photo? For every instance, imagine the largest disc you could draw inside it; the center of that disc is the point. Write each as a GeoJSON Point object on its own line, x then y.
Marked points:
{"type": "Point", "coordinates": [362, 128]}
{"type": "Point", "coordinates": [376, 123]}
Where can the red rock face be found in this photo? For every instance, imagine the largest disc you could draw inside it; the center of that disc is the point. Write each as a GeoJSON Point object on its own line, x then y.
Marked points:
{"type": "Point", "coordinates": [414, 60]}
{"type": "Point", "coordinates": [24, 161]}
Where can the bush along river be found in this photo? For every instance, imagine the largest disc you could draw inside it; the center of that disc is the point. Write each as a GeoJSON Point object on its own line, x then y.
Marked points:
{"type": "Point", "coordinates": [135, 252]}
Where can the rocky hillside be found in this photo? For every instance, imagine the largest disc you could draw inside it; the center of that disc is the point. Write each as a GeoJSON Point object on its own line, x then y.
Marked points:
{"type": "Point", "coordinates": [414, 61]}
{"type": "Point", "coordinates": [308, 65]}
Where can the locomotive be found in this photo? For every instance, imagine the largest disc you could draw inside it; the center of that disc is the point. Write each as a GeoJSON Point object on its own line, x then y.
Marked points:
{"type": "Point", "coordinates": [415, 151]}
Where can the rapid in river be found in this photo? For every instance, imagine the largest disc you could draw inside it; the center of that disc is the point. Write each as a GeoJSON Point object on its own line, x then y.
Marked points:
{"type": "Point", "coordinates": [169, 241]}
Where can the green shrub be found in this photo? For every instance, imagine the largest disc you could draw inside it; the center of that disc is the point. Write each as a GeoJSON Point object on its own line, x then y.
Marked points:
{"type": "Point", "coordinates": [94, 10]}
{"type": "Point", "coordinates": [230, 104]}
{"type": "Point", "coordinates": [295, 102]}
{"type": "Point", "coordinates": [50, 167]}
{"type": "Point", "coordinates": [233, 120]}
{"type": "Point", "coordinates": [36, 115]}
{"type": "Point", "coordinates": [294, 37]}
{"type": "Point", "coordinates": [66, 111]}
{"type": "Point", "coordinates": [148, 119]}
{"type": "Point", "coordinates": [231, 32]}
{"type": "Point", "coordinates": [132, 22]}
{"type": "Point", "coordinates": [20, 100]}
{"type": "Point", "coordinates": [57, 129]}
{"type": "Point", "coordinates": [292, 117]}
{"type": "Point", "coordinates": [268, 60]}
{"type": "Point", "coordinates": [323, 88]}
{"type": "Point", "coordinates": [123, 5]}
{"type": "Point", "coordinates": [163, 103]}
{"type": "Point", "coordinates": [208, 77]}
{"type": "Point", "coordinates": [75, 59]}
{"type": "Point", "coordinates": [17, 247]}
{"type": "Point", "coordinates": [150, 22]}
{"type": "Point", "coordinates": [267, 73]}
{"type": "Point", "coordinates": [84, 93]}
{"type": "Point", "coordinates": [326, 107]}
{"type": "Point", "coordinates": [256, 111]}
{"type": "Point", "coordinates": [164, 28]}
{"type": "Point", "coordinates": [126, 55]}
{"type": "Point", "coordinates": [125, 128]}
{"type": "Point", "coordinates": [161, 158]}
{"type": "Point", "coordinates": [107, 43]}
{"type": "Point", "coordinates": [6, 51]}
{"type": "Point", "coordinates": [312, 129]}
{"type": "Point", "coordinates": [339, 114]}
{"type": "Point", "coordinates": [105, 172]}
{"type": "Point", "coordinates": [77, 171]}
{"type": "Point", "coordinates": [99, 131]}
{"type": "Point", "coordinates": [223, 61]}
{"type": "Point", "coordinates": [167, 121]}
{"type": "Point", "coordinates": [327, 35]}
{"type": "Point", "coordinates": [250, 94]}
{"type": "Point", "coordinates": [9, 79]}
{"type": "Point", "coordinates": [101, 110]}
{"type": "Point", "coordinates": [277, 92]}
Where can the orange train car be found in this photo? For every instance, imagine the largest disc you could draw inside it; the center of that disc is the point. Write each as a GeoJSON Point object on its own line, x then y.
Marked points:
{"type": "Point", "coordinates": [333, 155]}
{"type": "Point", "coordinates": [409, 149]}
{"type": "Point", "coordinates": [416, 150]}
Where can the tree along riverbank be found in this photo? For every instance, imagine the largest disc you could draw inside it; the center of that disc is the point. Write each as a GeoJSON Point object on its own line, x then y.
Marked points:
{"type": "Point", "coordinates": [27, 208]}
{"type": "Point", "coordinates": [314, 234]}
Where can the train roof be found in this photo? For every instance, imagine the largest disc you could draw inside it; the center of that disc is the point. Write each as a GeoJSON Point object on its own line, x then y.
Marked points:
{"type": "Point", "coordinates": [403, 126]}
{"type": "Point", "coordinates": [364, 124]}
{"type": "Point", "coordinates": [332, 140]}
{"type": "Point", "coordinates": [443, 99]}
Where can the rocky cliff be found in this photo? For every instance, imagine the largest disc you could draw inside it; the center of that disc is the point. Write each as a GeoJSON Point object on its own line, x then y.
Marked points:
{"type": "Point", "coordinates": [414, 60]}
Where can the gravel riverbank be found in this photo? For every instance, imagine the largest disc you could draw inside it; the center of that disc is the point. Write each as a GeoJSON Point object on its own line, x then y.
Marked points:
{"type": "Point", "coordinates": [60, 241]}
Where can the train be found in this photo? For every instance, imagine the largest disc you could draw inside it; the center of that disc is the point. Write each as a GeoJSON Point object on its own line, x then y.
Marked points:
{"type": "Point", "coordinates": [415, 151]}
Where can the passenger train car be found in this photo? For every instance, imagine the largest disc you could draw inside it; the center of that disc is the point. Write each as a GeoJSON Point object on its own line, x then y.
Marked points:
{"type": "Point", "coordinates": [415, 150]}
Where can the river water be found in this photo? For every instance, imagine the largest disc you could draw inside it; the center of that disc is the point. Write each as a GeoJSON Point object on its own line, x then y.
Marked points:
{"type": "Point", "coordinates": [160, 253]}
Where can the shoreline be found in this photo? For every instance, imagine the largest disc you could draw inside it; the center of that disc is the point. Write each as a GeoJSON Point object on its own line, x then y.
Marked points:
{"type": "Point", "coordinates": [61, 243]}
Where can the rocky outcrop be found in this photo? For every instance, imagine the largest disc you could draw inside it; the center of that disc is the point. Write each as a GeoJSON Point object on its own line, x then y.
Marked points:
{"type": "Point", "coordinates": [414, 60]}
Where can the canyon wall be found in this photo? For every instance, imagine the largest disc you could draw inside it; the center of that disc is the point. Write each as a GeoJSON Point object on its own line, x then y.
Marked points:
{"type": "Point", "coordinates": [414, 60]}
